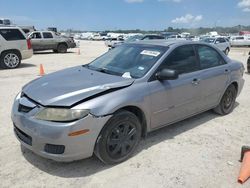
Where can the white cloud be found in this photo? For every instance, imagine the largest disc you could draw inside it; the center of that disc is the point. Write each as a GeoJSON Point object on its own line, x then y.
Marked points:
{"type": "Point", "coordinates": [244, 5]}
{"type": "Point", "coordinates": [134, 1]}
{"type": "Point", "coordinates": [187, 19]}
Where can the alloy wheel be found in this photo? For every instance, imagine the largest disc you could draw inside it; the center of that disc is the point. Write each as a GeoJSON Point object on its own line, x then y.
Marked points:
{"type": "Point", "coordinates": [11, 60]}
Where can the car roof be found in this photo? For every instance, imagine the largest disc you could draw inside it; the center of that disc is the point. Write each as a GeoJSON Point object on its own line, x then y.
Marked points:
{"type": "Point", "coordinates": [9, 27]}
{"type": "Point", "coordinates": [163, 42]}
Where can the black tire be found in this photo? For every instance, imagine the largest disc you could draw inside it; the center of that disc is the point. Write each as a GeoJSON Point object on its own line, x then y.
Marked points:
{"type": "Point", "coordinates": [55, 51]}
{"type": "Point", "coordinates": [62, 48]}
{"type": "Point", "coordinates": [119, 138]}
{"type": "Point", "coordinates": [10, 60]}
{"type": "Point", "coordinates": [227, 51]}
{"type": "Point", "coordinates": [227, 102]}
{"type": "Point", "coordinates": [248, 65]}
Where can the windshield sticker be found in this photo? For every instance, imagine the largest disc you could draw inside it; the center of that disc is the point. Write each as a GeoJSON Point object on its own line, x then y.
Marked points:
{"type": "Point", "coordinates": [150, 53]}
{"type": "Point", "coordinates": [126, 75]}
{"type": "Point", "coordinates": [141, 68]}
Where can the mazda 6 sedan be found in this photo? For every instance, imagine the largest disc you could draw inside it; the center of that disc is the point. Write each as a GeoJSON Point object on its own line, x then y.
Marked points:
{"type": "Point", "coordinates": [107, 106]}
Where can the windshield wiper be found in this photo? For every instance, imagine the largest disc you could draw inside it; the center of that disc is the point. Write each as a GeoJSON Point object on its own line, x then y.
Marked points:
{"type": "Point", "coordinates": [103, 70]}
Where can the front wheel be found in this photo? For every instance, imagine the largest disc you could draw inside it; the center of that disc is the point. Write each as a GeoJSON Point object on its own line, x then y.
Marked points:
{"type": "Point", "coordinates": [227, 102]}
{"type": "Point", "coordinates": [119, 138]}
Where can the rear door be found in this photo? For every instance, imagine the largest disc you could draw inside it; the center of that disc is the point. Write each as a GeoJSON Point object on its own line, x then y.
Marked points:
{"type": "Point", "coordinates": [173, 100]}
{"type": "Point", "coordinates": [214, 75]}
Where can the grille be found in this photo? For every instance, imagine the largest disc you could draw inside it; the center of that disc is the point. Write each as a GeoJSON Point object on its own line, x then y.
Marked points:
{"type": "Point", "coordinates": [54, 149]}
{"type": "Point", "coordinates": [25, 109]}
{"type": "Point", "coordinates": [23, 136]}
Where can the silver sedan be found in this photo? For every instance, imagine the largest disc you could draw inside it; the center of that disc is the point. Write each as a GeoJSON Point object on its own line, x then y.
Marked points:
{"type": "Point", "coordinates": [106, 106]}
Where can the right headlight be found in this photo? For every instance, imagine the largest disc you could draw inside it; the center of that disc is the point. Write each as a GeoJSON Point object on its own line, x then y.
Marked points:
{"type": "Point", "coordinates": [61, 114]}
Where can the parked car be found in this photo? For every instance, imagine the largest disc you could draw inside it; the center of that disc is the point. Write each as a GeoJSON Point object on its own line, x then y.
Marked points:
{"type": "Point", "coordinates": [222, 43]}
{"type": "Point", "coordinates": [248, 63]}
{"type": "Point", "coordinates": [27, 29]}
{"type": "Point", "coordinates": [137, 38]}
{"type": "Point", "coordinates": [111, 42]}
{"type": "Point", "coordinates": [240, 40]}
{"type": "Point", "coordinates": [106, 106]}
{"type": "Point", "coordinates": [14, 47]}
{"type": "Point", "coordinates": [5, 22]}
{"type": "Point", "coordinates": [176, 37]}
{"type": "Point", "coordinates": [49, 40]}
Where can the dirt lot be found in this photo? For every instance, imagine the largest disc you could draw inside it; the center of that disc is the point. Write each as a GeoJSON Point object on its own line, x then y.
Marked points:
{"type": "Point", "coordinates": [202, 151]}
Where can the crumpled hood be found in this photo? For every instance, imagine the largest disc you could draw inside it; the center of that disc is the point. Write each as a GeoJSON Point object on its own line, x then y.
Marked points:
{"type": "Point", "coordinates": [69, 86]}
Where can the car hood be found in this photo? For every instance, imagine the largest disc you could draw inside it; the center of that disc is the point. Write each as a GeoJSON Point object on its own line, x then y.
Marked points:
{"type": "Point", "coordinates": [70, 86]}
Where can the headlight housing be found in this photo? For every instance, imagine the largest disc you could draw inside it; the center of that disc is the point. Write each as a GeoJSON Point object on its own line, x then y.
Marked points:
{"type": "Point", "coordinates": [18, 96]}
{"type": "Point", "coordinates": [61, 114]}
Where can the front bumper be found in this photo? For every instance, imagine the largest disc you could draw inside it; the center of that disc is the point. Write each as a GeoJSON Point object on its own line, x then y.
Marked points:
{"type": "Point", "coordinates": [44, 133]}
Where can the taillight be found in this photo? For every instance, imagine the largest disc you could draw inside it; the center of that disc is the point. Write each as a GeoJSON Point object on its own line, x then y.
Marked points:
{"type": "Point", "coordinates": [29, 44]}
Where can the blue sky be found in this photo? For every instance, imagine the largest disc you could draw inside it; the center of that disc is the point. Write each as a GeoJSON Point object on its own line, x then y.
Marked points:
{"type": "Point", "coordinates": [126, 14]}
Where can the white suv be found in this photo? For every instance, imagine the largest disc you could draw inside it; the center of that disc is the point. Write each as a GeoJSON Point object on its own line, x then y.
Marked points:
{"type": "Point", "coordinates": [14, 47]}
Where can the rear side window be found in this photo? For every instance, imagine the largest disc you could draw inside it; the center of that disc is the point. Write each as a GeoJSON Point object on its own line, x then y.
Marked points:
{"type": "Point", "coordinates": [182, 59]}
{"type": "Point", "coordinates": [209, 57]}
{"type": "Point", "coordinates": [1, 21]}
{"type": "Point", "coordinates": [47, 35]}
{"type": "Point", "coordinates": [11, 34]}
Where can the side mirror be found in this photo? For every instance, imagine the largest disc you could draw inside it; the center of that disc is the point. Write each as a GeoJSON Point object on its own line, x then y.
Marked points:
{"type": "Point", "coordinates": [249, 53]}
{"type": "Point", "coordinates": [167, 74]}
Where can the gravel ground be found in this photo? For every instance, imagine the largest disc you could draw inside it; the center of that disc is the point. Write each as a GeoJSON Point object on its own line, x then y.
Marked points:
{"type": "Point", "coordinates": [202, 151]}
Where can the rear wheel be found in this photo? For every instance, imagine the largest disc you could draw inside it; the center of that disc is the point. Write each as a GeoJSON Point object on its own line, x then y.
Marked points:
{"type": "Point", "coordinates": [119, 138]}
{"type": "Point", "coordinates": [62, 48]}
{"type": "Point", "coordinates": [227, 102]}
{"type": "Point", "coordinates": [10, 59]}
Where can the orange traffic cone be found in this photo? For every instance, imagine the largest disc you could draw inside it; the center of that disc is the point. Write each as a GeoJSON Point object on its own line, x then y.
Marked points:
{"type": "Point", "coordinates": [78, 51]}
{"type": "Point", "coordinates": [41, 70]}
{"type": "Point", "coordinates": [245, 167]}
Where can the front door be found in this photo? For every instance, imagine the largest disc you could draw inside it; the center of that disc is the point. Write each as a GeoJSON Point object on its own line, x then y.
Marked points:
{"type": "Point", "coordinates": [36, 40]}
{"type": "Point", "coordinates": [172, 100]}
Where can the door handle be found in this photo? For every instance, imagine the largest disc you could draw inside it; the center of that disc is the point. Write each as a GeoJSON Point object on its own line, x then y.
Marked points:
{"type": "Point", "coordinates": [196, 81]}
{"type": "Point", "coordinates": [226, 71]}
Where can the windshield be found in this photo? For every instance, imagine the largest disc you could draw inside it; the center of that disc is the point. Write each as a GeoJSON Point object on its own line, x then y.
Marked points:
{"type": "Point", "coordinates": [209, 40]}
{"type": "Point", "coordinates": [128, 60]}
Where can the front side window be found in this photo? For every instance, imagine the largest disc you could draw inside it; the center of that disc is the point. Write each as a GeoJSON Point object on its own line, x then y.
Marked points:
{"type": "Point", "coordinates": [47, 35]}
{"type": "Point", "coordinates": [36, 36]}
{"type": "Point", "coordinates": [209, 57]}
{"type": "Point", "coordinates": [220, 40]}
{"type": "Point", "coordinates": [11, 34]}
{"type": "Point", "coordinates": [128, 60]}
{"type": "Point", "coordinates": [182, 59]}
